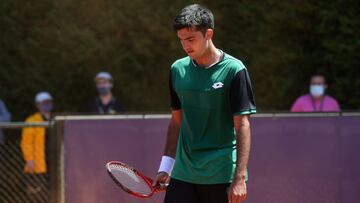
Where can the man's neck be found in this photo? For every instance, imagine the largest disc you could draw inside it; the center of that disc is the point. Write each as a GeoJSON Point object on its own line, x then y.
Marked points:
{"type": "Point", "coordinates": [105, 99]}
{"type": "Point", "coordinates": [318, 98]}
{"type": "Point", "coordinates": [211, 56]}
{"type": "Point", "coordinates": [46, 115]}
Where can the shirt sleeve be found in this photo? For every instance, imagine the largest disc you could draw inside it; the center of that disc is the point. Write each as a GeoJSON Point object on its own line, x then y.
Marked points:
{"type": "Point", "coordinates": [5, 115]}
{"type": "Point", "coordinates": [296, 107]}
{"type": "Point", "coordinates": [241, 94]}
{"type": "Point", "coordinates": [174, 99]}
{"type": "Point", "coordinates": [118, 107]}
{"type": "Point", "coordinates": [335, 107]}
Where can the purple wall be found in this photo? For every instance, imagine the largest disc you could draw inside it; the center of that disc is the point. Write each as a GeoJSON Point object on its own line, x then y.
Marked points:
{"type": "Point", "coordinates": [294, 159]}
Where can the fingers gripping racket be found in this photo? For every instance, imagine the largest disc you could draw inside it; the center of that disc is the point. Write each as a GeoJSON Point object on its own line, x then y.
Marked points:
{"type": "Point", "coordinates": [131, 180]}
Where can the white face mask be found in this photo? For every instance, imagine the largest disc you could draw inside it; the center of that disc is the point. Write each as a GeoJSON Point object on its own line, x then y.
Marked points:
{"type": "Point", "coordinates": [317, 90]}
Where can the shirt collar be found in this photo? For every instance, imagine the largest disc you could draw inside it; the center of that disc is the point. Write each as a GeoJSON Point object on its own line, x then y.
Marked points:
{"type": "Point", "coordinates": [222, 56]}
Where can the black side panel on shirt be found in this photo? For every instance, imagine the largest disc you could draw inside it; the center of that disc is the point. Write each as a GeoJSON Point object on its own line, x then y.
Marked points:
{"type": "Point", "coordinates": [174, 99]}
{"type": "Point", "coordinates": [241, 94]}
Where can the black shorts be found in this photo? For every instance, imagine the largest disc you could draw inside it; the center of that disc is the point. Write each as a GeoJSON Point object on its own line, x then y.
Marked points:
{"type": "Point", "coordinates": [183, 192]}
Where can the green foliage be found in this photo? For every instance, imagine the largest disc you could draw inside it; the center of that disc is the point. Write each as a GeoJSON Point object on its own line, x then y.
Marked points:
{"type": "Point", "coordinates": [59, 46]}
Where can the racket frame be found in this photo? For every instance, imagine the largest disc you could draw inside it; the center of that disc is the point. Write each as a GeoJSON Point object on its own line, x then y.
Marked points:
{"type": "Point", "coordinates": [147, 180]}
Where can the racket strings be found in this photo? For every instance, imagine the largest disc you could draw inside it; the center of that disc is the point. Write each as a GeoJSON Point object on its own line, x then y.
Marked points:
{"type": "Point", "coordinates": [129, 179]}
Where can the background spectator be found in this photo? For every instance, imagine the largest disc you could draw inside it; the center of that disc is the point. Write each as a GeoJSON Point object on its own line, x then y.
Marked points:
{"type": "Point", "coordinates": [105, 102]}
{"type": "Point", "coordinates": [35, 146]}
{"type": "Point", "coordinates": [5, 116]}
{"type": "Point", "coordinates": [317, 100]}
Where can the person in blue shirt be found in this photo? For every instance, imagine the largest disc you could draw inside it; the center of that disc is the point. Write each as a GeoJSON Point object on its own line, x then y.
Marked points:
{"type": "Point", "coordinates": [5, 116]}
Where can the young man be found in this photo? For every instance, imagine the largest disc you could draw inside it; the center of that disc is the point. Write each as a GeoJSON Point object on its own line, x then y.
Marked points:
{"type": "Point", "coordinates": [35, 143]}
{"type": "Point", "coordinates": [105, 102]}
{"type": "Point", "coordinates": [209, 131]}
{"type": "Point", "coordinates": [317, 100]}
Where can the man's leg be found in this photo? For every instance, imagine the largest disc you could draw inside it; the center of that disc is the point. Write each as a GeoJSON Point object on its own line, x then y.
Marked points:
{"type": "Point", "coordinates": [180, 192]}
{"type": "Point", "coordinates": [213, 193]}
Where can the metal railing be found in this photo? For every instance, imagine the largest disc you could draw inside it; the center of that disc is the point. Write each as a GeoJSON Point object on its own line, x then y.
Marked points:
{"type": "Point", "coordinates": [17, 125]}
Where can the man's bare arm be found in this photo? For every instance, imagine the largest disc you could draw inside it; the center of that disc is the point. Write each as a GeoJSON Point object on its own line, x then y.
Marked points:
{"type": "Point", "coordinates": [243, 141]}
{"type": "Point", "coordinates": [173, 134]}
{"type": "Point", "coordinates": [163, 176]}
{"type": "Point", "coordinates": [238, 188]}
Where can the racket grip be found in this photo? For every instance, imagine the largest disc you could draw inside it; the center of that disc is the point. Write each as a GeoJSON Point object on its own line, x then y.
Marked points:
{"type": "Point", "coordinates": [160, 187]}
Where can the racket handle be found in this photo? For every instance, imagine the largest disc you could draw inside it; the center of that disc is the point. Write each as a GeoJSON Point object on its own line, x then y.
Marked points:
{"type": "Point", "coordinates": [161, 187]}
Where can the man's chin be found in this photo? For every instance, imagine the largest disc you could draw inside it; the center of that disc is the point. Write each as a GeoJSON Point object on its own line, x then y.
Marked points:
{"type": "Point", "coordinates": [192, 56]}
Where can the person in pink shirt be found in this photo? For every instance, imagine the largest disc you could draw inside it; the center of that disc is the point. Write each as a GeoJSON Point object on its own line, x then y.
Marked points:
{"type": "Point", "coordinates": [317, 100]}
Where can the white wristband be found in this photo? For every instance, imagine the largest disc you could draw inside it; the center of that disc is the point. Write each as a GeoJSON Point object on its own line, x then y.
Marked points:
{"type": "Point", "coordinates": [166, 165]}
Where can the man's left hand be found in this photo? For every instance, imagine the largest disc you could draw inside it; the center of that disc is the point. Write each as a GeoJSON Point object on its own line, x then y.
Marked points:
{"type": "Point", "coordinates": [237, 191]}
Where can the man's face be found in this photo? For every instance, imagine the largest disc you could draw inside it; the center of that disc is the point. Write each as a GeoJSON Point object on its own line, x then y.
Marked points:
{"type": "Point", "coordinates": [45, 106]}
{"type": "Point", "coordinates": [317, 80]}
{"type": "Point", "coordinates": [100, 82]}
{"type": "Point", "coordinates": [193, 41]}
{"type": "Point", "coordinates": [103, 86]}
{"type": "Point", "coordinates": [317, 86]}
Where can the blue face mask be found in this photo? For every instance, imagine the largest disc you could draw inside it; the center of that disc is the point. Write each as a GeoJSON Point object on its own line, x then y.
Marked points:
{"type": "Point", "coordinates": [317, 90]}
{"type": "Point", "coordinates": [45, 107]}
{"type": "Point", "coordinates": [104, 90]}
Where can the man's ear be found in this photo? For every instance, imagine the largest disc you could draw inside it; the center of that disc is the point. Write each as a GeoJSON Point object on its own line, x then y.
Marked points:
{"type": "Point", "coordinates": [209, 33]}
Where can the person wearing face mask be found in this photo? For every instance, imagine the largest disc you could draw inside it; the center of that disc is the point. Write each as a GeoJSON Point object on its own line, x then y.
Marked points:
{"type": "Point", "coordinates": [35, 146]}
{"type": "Point", "coordinates": [316, 100]}
{"type": "Point", "coordinates": [105, 102]}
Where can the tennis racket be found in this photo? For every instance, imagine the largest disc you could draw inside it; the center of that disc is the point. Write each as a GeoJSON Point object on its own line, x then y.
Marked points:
{"type": "Point", "coordinates": [131, 180]}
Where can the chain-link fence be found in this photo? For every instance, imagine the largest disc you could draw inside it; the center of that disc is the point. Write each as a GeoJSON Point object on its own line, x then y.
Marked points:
{"type": "Point", "coordinates": [28, 162]}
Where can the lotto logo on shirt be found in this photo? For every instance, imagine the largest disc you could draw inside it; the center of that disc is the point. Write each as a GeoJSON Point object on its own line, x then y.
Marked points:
{"type": "Point", "coordinates": [217, 85]}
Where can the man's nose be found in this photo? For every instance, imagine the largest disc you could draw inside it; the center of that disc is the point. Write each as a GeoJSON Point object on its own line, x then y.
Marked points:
{"type": "Point", "coordinates": [185, 45]}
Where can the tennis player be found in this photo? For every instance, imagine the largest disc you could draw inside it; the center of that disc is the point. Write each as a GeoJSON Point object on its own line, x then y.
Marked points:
{"type": "Point", "coordinates": [208, 139]}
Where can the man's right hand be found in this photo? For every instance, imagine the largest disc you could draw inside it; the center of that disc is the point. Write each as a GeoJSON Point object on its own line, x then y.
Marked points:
{"type": "Point", "coordinates": [162, 180]}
